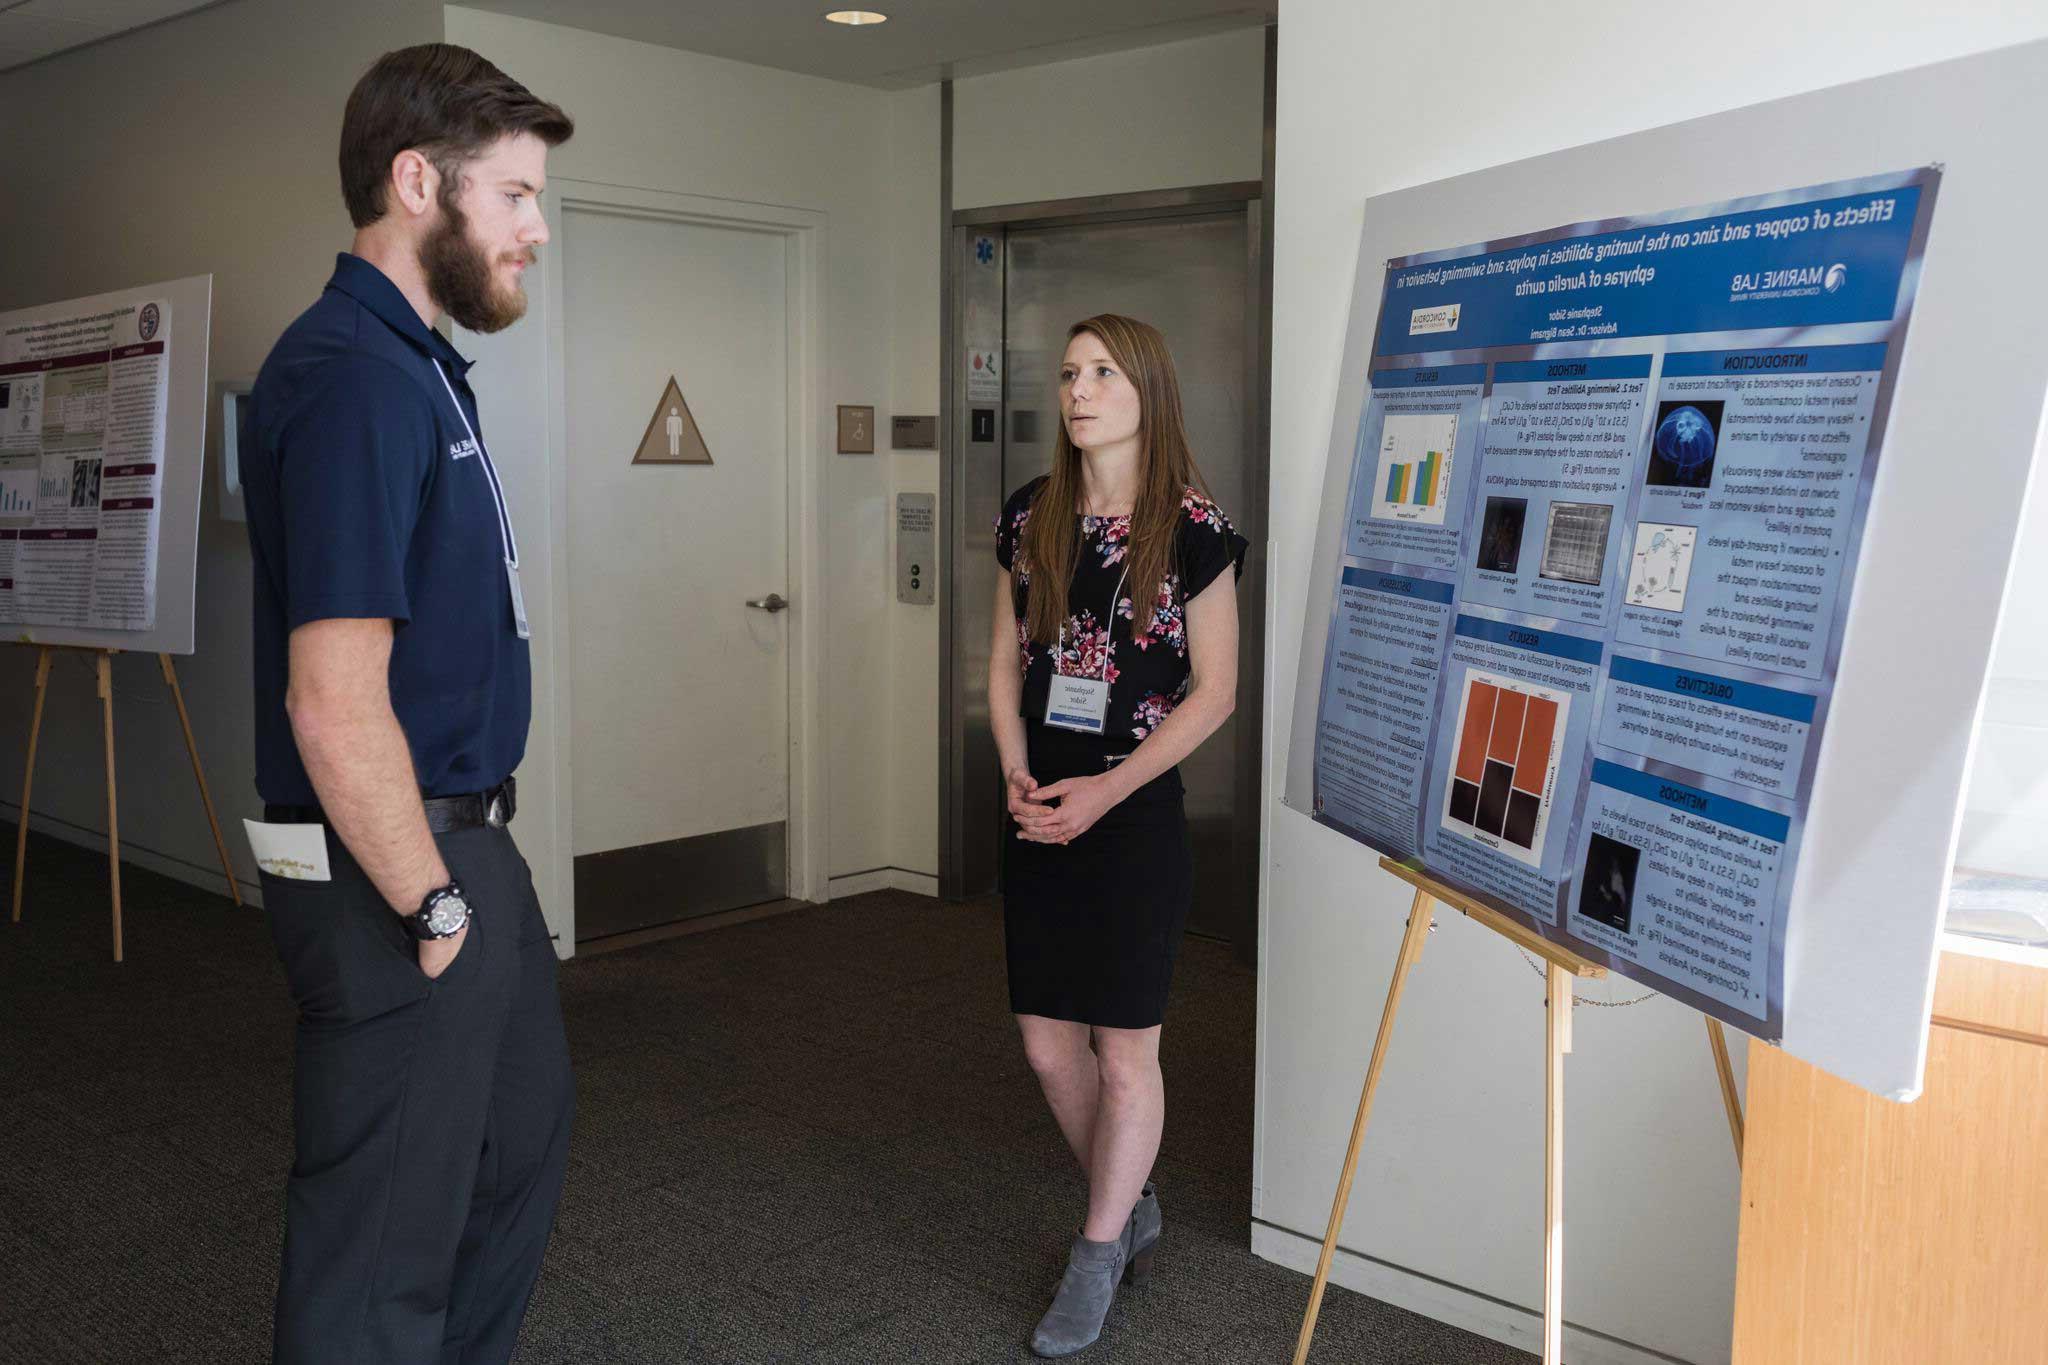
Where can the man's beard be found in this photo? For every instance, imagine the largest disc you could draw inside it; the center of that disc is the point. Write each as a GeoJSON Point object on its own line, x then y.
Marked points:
{"type": "Point", "coordinates": [459, 277]}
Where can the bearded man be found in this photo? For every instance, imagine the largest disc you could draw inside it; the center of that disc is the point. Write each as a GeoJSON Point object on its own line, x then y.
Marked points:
{"type": "Point", "coordinates": [432, 1094]}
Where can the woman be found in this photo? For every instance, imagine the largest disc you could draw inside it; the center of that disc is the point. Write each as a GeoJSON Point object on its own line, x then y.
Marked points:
{"type": "Point", "coordinates": [1115, 654]}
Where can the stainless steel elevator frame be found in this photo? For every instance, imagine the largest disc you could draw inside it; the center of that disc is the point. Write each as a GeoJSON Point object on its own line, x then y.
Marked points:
{"type": "Point", "coordinates": [971, 493]}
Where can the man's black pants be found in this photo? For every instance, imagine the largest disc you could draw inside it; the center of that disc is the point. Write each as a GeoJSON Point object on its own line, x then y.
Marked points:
{"type": "Point", "coordinates": [431, 1117]}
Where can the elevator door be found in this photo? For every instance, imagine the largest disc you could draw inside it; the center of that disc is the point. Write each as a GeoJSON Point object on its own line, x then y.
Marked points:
{"type": "Point", "coordinates": [1188, 277]}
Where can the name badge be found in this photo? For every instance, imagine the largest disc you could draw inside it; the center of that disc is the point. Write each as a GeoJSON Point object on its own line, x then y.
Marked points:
{"type": "Point", "coordinates": [1077, 704]}
{"type": "Point", "coordinates": [518, 601]}
{"type": "Point", "coordinates": [295, 852]}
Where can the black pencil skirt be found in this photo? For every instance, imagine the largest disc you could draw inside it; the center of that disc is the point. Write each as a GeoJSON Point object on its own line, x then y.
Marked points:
{"type": "Point", "coordinates": [1092, 927]}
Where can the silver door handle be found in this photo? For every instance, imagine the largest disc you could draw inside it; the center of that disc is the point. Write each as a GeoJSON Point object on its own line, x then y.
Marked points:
{"type": "Point", "coordinates": [773, 602]}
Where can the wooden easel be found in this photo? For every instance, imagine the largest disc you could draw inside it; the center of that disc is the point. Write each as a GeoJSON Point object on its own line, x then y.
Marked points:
{"type": "Point", "coordinates": [103, 666]}
{"type": "Point", "coordinates": [1562, 965]}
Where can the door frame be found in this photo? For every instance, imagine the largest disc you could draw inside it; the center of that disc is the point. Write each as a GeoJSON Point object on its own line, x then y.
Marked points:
{"type": "Point", "coordinates": [806, 437]}
{"type": "Point", "coordinates": [964, 618]}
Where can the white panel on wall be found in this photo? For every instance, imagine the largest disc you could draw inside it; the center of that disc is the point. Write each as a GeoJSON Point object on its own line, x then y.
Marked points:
{"type": "Point", "coordinates": [1159, 117]}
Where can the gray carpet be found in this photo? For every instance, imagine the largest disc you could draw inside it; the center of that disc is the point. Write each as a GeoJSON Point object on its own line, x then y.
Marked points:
{"type": "Point", "coordinates": [809, 1138]}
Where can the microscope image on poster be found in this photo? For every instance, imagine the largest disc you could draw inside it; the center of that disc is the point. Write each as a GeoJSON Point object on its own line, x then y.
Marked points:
{"type": "Point", "coordinates": [1607, 891]}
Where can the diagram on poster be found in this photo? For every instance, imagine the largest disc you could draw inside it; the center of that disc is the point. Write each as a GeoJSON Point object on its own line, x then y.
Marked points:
{"type": "Point", "coordinates": [1603, 517]}
{"type": "Point", "coordinates": [1662, 564]}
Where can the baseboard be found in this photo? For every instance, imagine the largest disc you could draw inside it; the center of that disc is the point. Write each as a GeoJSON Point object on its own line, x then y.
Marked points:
{"type": "Point", "coordinates": [207, 877]}
{"type": "Point", "coordinates": [1446, 1302]}
{"type": "Point", "coordinates": [882, 879]}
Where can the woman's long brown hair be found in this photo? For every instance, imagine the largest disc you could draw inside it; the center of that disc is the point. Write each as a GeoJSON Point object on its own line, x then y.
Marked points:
{"type": "Point", "coordinates": [1166, 471]}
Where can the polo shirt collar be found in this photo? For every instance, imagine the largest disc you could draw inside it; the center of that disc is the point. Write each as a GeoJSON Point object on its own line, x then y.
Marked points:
{"type": "Point", "coordinates": [373, 289]}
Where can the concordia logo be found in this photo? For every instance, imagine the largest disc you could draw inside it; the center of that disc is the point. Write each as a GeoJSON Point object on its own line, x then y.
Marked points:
{"type": "Point", "coordinates": [1441, 318]}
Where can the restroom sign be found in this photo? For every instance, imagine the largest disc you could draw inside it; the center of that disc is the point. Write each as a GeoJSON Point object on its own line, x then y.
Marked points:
{"type": "Point", "coordinates": [672, 436]}
{"type": "Point", "coordinates": [984, 377]}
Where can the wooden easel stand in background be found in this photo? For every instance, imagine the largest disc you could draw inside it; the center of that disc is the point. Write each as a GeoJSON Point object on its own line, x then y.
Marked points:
{"type": "Point", "coordinates": [1562, 965]}
{"type": "Point", "coordinates": [103, 666]}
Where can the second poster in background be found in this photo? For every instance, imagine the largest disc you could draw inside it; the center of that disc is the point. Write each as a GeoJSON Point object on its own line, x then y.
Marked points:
{"type": "Point", "coordinates": [1604, 512]}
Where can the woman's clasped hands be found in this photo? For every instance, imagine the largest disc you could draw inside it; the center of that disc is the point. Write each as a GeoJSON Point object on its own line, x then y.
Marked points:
{"type": "Point", "coordinates": [1081, 802]}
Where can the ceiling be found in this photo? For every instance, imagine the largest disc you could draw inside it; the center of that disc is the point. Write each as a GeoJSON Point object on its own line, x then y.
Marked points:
{"type": "Point", "coordinates": [33, 29]}
{"type": "Point", "coordinates": [924, 40]}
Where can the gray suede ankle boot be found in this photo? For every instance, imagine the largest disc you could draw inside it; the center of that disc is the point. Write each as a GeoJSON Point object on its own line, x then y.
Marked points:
{"type": "Point", "coordinates": [1082, 1301]}
{"type": "Point", "coordinates": [1141, 1236]}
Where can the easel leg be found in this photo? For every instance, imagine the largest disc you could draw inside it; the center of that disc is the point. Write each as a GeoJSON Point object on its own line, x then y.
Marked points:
{"type": "Point", "coordinates": [1558, 1030]}
{"type": "Point", "coordinates": [205, 796]}
{"type": "Point", "coordinates": [1419, 915]}
{"type": "Point", "coordinates": [106, 677]}
{"type": "Point", "coordinates": [1731, 1099]}
{"type": "Point", "coordinates": [28, 777]}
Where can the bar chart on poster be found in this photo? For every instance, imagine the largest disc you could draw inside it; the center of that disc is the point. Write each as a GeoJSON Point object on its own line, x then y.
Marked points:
{"type": "Point", "coordinates": [1605, 499]}
{"type": "Point", "coordinates": [1415, 466]}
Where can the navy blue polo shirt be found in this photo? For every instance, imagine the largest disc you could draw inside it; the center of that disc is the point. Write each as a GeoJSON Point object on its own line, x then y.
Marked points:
{"type": "Point", "coordinates": [368, 495]}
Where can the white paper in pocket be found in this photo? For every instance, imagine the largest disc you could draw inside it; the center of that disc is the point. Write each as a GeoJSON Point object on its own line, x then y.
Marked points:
{"type": "Point", "coordinates": [295, 852]}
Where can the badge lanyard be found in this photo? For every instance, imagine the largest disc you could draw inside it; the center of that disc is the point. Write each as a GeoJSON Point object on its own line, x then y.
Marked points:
{"type": "Point", "coordinates": [507, 541]}
{"type": "Point", "coordinates": [1082, 704]}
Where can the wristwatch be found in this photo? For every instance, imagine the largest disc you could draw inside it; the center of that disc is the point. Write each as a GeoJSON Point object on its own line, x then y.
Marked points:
{"type": "Point", "coordinates": [442, 914]}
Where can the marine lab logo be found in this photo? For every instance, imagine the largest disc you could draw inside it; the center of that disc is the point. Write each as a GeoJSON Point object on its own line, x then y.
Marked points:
{"type": "Point", "coordinates": [151, 318]}
{"type": "Point", "coordinates": [1792, 282]}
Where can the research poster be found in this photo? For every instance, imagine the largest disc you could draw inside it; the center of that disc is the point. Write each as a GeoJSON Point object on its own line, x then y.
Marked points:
{"type": "Point", "coordinates": [1604, 512]}
{"type": "Point", "coordinates": [83, 401]}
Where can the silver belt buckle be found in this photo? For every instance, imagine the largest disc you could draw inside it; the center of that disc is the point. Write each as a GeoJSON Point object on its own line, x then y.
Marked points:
{"type": "Point", "coordinates": [494, 814]}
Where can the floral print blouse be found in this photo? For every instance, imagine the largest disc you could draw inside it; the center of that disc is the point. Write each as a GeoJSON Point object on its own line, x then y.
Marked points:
{"type": "Point", "coordinates": [1148, 674]}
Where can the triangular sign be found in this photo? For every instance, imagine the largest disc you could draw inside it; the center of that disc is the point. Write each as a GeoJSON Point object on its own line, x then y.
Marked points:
{"type": "Point", "coordinates": [672, 436]}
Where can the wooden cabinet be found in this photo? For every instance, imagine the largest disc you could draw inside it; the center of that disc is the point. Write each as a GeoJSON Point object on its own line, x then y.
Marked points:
{"type": "Point", "coordinates": [1876, 1233]}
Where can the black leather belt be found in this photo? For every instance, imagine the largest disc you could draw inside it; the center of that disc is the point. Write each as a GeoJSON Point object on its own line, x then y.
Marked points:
{"type": "Point", "coordinates": [495, 808]}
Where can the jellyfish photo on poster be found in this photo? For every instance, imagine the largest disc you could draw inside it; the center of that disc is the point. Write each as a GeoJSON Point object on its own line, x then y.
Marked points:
{"type": "Point", "coordinates": [1682, 444]}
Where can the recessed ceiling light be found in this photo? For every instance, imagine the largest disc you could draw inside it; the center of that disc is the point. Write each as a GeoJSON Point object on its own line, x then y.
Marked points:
{"type": "Point", "coordinates": [856, 16]}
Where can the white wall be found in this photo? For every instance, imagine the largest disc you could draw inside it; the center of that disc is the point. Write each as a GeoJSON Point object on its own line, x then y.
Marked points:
{"type": "Point", "coordinates": [1154, 118]}
{"type": "Point", "coordinates": [914, 247]}
{"type": "Point", "coordinates": [202, 145]}
{"type": "Point", "coordinates": [1445, 1213]}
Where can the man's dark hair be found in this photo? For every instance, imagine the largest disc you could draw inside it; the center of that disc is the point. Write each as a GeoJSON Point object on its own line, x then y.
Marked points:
{"type": "Point", "coordinates": [443, 101]}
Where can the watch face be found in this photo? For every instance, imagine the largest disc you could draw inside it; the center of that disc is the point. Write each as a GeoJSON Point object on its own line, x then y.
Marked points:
{"type": "Point", "coordinates": [447, 916]}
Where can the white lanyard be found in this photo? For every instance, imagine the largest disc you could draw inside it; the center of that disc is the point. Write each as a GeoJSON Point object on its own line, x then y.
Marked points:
{"type": "Point", "coordinates": [1082, 703]}
{"type": "Point", "coordinates": [1108, 629]}
{"type": "Point", "coordinates": [506, 538]}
